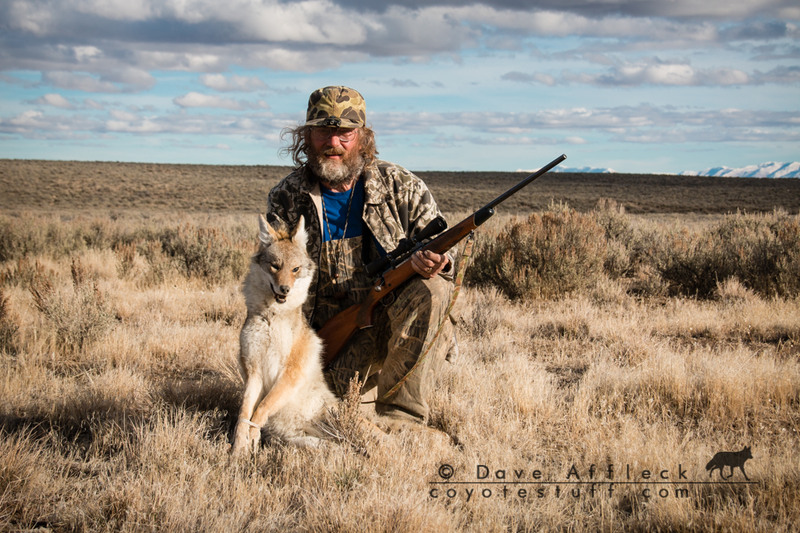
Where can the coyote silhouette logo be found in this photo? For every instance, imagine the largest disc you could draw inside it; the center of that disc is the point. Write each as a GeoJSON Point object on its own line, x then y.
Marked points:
{"type": "Point", "coordinates": [731, 459]}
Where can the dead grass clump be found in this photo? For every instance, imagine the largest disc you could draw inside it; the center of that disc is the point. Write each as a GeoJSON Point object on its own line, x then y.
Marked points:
{"type": "Point", "coordinates": [78, 314]}
{"type": "Point", "coordinates": [732, 291]}
{"type": "Point", "coordinates": [126, 258]}
{"type": "Point", "coordinates": [22, 271]}
{"type": "Point", "coordinates": [695, 388]}
{"type": "Point", "coordinates": [23, 481]}
{"type": "Point", "coordinates": [9, 326]}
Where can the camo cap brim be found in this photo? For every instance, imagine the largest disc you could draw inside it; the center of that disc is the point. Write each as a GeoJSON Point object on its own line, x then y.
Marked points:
{"type": "Point", "coordinates": [336, 107]}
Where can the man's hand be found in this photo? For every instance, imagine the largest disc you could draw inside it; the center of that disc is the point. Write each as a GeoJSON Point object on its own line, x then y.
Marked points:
{"type": "Point", "coordinates": [428, 264]}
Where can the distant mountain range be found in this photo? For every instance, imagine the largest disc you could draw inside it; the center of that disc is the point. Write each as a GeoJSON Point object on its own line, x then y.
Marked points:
{"type": "Point", "coordinates": [764, 170]}
{"type": "Point", "coordinates": [586, 170]}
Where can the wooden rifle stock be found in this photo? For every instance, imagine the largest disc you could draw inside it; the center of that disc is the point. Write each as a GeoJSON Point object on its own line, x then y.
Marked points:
{"type": "Point", "coordinates": [338, 330]}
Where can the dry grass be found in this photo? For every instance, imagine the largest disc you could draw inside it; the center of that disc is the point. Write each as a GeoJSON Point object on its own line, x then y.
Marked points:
{"type": "Point", "coordinates": [129, 431]}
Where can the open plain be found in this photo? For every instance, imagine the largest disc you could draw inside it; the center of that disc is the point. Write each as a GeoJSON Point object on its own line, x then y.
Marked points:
{"type": "Point", "coordinates": [615, 333]}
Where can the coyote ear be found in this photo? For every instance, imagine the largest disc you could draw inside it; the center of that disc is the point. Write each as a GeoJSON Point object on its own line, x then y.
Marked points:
{"type": "Point", "coordinates": [265, 232]}
{"type": "Point", "coordinates": [300, 236]}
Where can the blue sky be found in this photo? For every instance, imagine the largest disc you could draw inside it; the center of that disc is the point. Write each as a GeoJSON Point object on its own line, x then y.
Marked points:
{"type": "Point", "coordinates": [633, 85]}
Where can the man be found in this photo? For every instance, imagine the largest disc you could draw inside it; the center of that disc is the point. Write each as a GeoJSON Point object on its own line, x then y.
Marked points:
{"type": "Point", "coordinates": [357, 208]}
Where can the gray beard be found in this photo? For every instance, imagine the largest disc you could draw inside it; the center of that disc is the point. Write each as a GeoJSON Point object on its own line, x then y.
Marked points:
{"type": "Point", "coordinates": [336, 173]}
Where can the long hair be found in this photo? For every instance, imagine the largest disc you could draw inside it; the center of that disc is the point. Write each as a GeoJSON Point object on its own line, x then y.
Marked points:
{"type": "Point", "coordinates": [298, 148]}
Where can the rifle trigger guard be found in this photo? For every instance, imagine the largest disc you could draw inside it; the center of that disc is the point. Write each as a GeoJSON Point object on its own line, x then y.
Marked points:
{"type": "Point", "coordinates": [388, 300]}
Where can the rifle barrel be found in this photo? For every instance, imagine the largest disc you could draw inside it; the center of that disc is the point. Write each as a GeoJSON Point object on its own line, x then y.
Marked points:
{"type": "Point", "coordinates": [525, 181]}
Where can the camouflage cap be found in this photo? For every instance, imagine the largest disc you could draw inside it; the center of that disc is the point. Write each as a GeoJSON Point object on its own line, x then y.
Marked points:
{"type": "Point", "coordinates": [336, 107]}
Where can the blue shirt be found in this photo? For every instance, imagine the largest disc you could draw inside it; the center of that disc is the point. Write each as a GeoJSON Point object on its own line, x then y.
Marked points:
{"type": "Point", "coordinates": [335, 206]}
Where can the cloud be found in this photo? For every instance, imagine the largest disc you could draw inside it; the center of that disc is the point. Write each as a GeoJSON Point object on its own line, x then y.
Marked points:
{"type": "Point", "coordinates": [55, 100]}
{"type": "Point", "coordinates": [534, 77]}
{"type": "Point", "coordinates": [722, 9]}
{"type": "Point", "coordinates": [222, 83]}
{"type": "Point", "coordinates": [121, 80]}
{"type": "Point", "coordinates": [759, 30]}
{"type": "Point", "coordinates": [658, 73]}
{"type": "Point", "coordinates": [118, 42]}
{"type": "Point", "coordinates": [668, 73]}
{"type": "Point", "coordinates": [145, 126]}
{"type": "Point", "coordinates": [195, 99]}
{"type": "Point", "coordinates": [42, 126]}
{"type": "Point", "coordinates": [394, 82]}
{"type": "Point", "coordinates": [78, 82]}
{"type": "Point", "coordinates": [781, 75]}
{"type": "Point", "coordinates": [641, 123]}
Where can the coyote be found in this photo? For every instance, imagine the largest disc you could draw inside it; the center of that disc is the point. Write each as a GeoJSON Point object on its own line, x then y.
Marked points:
{"type": "Point", "coordinates": [280, 355]}
{"type": "Point", "coordinates": [731, 459]}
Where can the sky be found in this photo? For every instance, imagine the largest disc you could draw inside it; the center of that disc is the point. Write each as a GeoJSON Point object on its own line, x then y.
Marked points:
{"type": "Point", "coordinates": [638, 86]}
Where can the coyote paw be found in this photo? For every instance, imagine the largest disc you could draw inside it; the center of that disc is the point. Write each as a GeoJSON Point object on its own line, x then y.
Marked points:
{"type": "Point", "coordinates": [246, 437]}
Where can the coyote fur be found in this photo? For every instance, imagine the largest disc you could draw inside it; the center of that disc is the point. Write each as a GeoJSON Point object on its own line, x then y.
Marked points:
{"type": "Point", "coordinates": [280, 355]}
{"type": "Point", "coordinates": [731, 459]}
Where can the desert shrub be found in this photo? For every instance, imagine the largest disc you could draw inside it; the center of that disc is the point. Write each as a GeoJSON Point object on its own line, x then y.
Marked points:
{"type": "Point", "coordinates": [32, 234]}
{"type": "Point", "coordinates": [79, 313]}
{"type": "Point", "coordinates": [622, 239]}
{"type": "Point", "coordinates": [761, 251]}
{"type": "Point", "coordinates": [22, 272]}
{"type": "Point", "coordinates": [28, 235]}
{"type": "Point", "coordinates": [545, 256]}
{"type": "Point", "coordinates": [204, 253]}
{"type": "Point", "coordinates": [160, 265]}
{"type": "Point", "coordinates": [126, 258]}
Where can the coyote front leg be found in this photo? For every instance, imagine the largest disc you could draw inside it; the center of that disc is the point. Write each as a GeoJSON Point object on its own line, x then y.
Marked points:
{"type": "Point", "coordinates": [246, 434]}
{"type": "Point", "coordinates": [287, 383]}
{"type": "Point", "coordinates": [257, 407]}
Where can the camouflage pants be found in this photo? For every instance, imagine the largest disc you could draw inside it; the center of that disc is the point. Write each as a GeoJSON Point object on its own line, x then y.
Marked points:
{"type": "Point", "coordinates": [384, 354]}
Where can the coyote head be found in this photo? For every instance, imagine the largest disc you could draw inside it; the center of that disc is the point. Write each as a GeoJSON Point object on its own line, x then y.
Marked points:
{"type": "Point", "coordinates": [284, 261]}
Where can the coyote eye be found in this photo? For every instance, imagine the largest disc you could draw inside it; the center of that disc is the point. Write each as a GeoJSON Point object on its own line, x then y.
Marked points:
{"type": "Point", "coordinates": [275, 267]}
{"type": "Point", "coordinates": [296, 269]}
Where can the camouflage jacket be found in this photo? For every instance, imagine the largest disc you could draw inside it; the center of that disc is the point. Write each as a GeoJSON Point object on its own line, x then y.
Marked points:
{"type": "Point", "coordinates": [397, 205]}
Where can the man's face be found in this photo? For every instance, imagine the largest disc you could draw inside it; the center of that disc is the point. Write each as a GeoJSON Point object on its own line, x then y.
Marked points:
{"type": "Point", "coordinates": [334, 154]}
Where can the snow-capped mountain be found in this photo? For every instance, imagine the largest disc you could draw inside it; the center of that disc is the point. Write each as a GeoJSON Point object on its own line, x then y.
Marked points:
{"type": "Point", "coordinates": [764, 170]}
{"type": "Point", "coordinates": [586, 170]}
{"type": "Point", "coordinates": [582, 170]}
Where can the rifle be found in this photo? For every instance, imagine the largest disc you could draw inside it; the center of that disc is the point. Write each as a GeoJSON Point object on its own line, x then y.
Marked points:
{"type": "Point", "coordinates": [396, 267]}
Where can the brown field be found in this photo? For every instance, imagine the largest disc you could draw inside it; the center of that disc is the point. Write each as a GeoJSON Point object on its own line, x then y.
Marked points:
{"type": "Point", "coordinates": [613, 342]}
{"type": "Point", "coordinates": [137, 186]}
